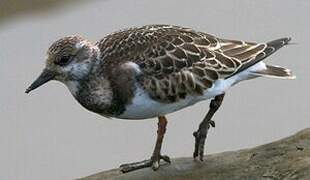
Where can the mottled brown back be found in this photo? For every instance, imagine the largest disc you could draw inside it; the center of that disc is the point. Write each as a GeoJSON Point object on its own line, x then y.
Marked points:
{"type": "Point", "coordinates": [176, 61]}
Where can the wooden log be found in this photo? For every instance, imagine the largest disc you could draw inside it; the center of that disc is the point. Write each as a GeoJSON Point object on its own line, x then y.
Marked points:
{"type": "Point", "coordinates": [288, 158]}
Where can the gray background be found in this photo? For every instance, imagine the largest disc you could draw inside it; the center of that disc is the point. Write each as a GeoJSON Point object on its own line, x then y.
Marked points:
{"type": "Point", "coordinates": [48, 135]}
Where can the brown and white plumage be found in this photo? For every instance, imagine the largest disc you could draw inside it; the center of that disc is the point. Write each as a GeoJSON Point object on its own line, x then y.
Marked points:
{"type": "Point", "coordinates": [155, 70]}
{"type": "Point", "coordinates": [176, 62]}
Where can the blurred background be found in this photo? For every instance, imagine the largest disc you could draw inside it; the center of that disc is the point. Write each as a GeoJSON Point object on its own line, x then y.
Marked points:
{"type": "Point", "coordinates": [48, 135]}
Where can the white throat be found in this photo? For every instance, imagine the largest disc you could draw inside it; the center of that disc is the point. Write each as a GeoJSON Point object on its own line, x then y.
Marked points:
{"type": "Point", "coordinates": [73, 87]}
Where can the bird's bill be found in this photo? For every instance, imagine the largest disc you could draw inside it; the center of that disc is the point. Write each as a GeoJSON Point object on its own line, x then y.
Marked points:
{"type": "Point", "coordinates": [44, 77]}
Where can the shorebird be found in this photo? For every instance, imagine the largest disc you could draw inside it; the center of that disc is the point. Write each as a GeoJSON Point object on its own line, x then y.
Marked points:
{"type": "Point", "coordinates": [154, 70]}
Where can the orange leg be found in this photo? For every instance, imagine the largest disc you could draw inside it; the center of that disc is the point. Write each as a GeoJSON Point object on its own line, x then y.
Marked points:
{"type": "Point", "coordinates": [154, 162]}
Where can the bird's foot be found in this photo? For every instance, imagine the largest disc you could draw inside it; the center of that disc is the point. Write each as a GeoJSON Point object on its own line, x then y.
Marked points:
{"type": "Point", "coordinates": [154, 163]}
{"type": "Point", "coordinates": [200, 139]}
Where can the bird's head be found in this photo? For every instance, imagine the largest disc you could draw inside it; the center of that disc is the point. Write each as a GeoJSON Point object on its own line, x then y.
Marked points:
{"type": "Point", "coordinates": [68, 59]}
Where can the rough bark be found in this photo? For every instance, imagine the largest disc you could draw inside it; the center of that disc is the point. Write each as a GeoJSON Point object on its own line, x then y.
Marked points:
{"type": "Point", "coordinates": [288, 158]}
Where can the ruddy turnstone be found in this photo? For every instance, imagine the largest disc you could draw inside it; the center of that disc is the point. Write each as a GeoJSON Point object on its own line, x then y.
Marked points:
{"type": "Point", "coordinates": [154, 70]}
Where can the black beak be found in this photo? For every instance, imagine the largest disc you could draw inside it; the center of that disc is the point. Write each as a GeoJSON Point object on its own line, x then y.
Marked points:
{"type": "Point", "coordinates": [44, 77]}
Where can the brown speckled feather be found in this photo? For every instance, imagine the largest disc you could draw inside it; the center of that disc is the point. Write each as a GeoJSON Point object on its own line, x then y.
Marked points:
{"type": "Point", "coordinates": [177, 61]}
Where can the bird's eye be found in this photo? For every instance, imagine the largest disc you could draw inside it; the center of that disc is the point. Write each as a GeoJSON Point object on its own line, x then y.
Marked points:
{"type": "Point", "coordinates": [63, 60]}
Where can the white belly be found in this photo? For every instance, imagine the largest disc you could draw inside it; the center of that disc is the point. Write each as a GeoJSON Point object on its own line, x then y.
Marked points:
{"type": "Point", "coordinates": [143, 107]}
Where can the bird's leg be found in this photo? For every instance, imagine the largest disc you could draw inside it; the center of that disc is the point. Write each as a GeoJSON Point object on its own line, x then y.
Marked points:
{"type": "Point", "coordinates": [156, 157]}
{"type": "Point", "coordinates": [201, 134]}
{"type": "Point", "coordinates": [154, 162]}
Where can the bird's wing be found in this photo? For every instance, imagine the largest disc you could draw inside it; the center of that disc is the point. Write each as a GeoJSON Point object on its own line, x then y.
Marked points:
{"type": "Point", "coordinates": [176, 61]}
{"type": "Point", "coordinates": [248, 53]}
{"type": "Point", "coordinates": [184, 62]}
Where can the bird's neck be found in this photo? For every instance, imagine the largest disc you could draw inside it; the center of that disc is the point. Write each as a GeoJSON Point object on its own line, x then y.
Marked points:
{"type": "Point", "coordinates": [93, 92]}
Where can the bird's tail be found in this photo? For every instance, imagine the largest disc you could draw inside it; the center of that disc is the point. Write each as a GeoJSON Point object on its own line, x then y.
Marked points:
{"type": "Point", "coordinates": [275, 72]}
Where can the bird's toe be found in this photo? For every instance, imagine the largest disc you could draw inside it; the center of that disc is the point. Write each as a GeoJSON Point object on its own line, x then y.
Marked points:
{"type": "Point", "coordinates": [154, 163]}
{"type": "Point", "coordinates": [200, 137]}
{"type": "Point", "coordinates": [166, 158]}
